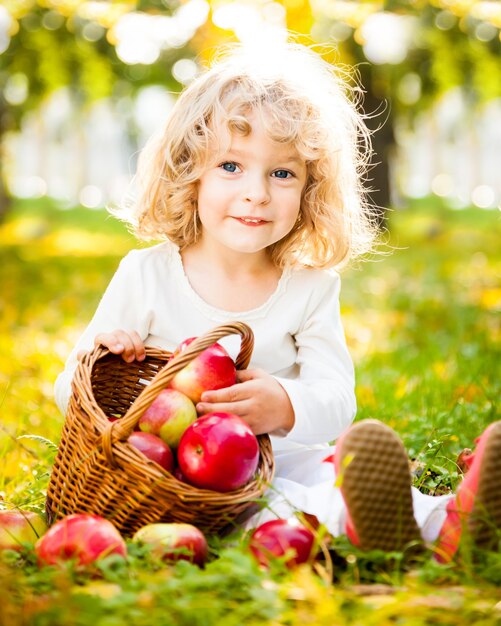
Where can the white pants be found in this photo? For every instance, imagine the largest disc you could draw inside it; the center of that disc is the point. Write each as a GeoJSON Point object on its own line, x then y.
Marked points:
{"type": "Point", "coordinates": [304, 483]}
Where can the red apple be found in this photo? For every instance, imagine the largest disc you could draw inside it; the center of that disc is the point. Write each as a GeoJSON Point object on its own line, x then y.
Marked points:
{"type": "Point", "coordinates": [280, 537]}
{"type": "Point", "coordinates": [168, 416]}
{"type": "Point", "coordinates": [175, 541]}
{"type": "Point", "coordinates": [219, 451]}
{"type": "Point", "coordinates": [82, 538]}
{"type": "Point", "coordinates": [18, 527]}
{"type": "Point", "coordinates": [179, 475]}
{"type": "Point", "coordinates": [153, 448]}
{"type": "Point", "coordinates": [212, 369]}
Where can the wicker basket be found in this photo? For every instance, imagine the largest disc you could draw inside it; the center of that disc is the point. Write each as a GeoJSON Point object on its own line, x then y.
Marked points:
{"type": "Point", "coordinates": [97, 471]}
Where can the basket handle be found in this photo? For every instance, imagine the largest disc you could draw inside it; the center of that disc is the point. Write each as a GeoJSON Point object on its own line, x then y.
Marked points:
{"type": "Point", "coordinates": [122, 428]}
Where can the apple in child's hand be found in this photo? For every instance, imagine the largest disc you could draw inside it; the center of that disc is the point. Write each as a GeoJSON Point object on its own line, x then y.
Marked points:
{"type": "Point", "coordinates": [153, 448]}
{"type": "Point", "coordinates": [219, 451]}
{"type": "Point", "coordinates": [174, 542]}
{"type": "Point", "coordinates": [82, 538]}
{"type": "Point", "coordinates": [282, 537]}
{"type": "Point", "coordinates": [18, 527]}
{"type": "Point", "coordinates": [212, 369]}
{"type": "Point", "coordinates": [168, 416]}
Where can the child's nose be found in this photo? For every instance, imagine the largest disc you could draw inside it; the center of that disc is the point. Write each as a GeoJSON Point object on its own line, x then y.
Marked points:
{"type": "Point", "coordinates": [257, 191]}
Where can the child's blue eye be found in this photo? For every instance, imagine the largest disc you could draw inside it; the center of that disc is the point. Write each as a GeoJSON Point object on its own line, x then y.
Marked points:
{"type": "Point", "coordinates": [282, 174]}
{"type": "Point", "coordinates": [229, 167]}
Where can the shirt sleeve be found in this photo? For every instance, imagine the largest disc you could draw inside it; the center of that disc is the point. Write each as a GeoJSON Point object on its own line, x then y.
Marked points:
{"type": "Point", "coordinates": [323, 395]}
{"type": "Point", "coordinates": [117, 310]}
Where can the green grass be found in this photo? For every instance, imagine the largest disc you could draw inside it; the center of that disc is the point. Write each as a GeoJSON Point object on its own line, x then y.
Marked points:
{"type": "Point", "coordinates": [423, 325]}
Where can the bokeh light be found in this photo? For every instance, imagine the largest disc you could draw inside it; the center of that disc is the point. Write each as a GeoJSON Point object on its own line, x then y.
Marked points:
{"type": "Point", "coordinates": [141, 37]}
{"type": "Point", "coordinates": [483, 196]}
{"type": "Point", "coordinates": [5, 26]}
{"type": "Point", "coordinates": [409, 88]}
{"type": "Point", "coordinates": [442, 185]}
{"type": "Point", "coordinates": [16, 89]}
{"type": "Point", "coordinates": [252, 24]}
{"type": "Point", "coordinates": [184, 70]}
{"type": "Point", "coordinates": [386, 37]}
{"type": "Point", "coordinates": [91, 197]}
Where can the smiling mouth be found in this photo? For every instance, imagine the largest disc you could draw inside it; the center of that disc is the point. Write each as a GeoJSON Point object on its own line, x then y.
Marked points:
{"type": "Point", "coordinates": [251, 221]}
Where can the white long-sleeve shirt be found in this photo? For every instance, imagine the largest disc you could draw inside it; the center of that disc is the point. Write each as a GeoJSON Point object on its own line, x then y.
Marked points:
{"type": "Point", "coordinates": [298, 335]}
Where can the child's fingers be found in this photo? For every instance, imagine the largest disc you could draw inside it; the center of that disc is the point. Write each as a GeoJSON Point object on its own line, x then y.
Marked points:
{"type": "Point", "coordinates": [227, 394]}
{"type": "Point", "coordinates": [111, 341]}
{"type": "Point", "coordinates": [139, 351]}
{"type": "Point", "coordinates": [240, 408]}
{"type": "Point", "coordinates": [128, 344]}
{"type": "Point", "coordinates": [225, 400]}
{"type": "Point", "coordinates": [243, 408]}
{"type": "Point", "coordinates": [207, 407]}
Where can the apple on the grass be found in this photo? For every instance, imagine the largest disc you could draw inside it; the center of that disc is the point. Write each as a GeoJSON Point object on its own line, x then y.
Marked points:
{"type": "Point", "coordinates": [168, 416]}
{"type": "Point", "coordinates": [283, 537]}
{"type": "Point", "coordinates": [153, 448]}
{"type": "Point", "coordinates": [219, 451]}
{"type": "Point", "coordinates": [174, 541]}
{"type": "Point", "coordinates": [211, 369]}
{"type": "Point", "coordinates": [82, 538]}
{"type": "Point", "coordinates": [18, 527]}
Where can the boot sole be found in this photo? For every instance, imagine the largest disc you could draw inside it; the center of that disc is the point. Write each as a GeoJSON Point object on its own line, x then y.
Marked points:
{"type": "Point", "coordinates": [376, 485]}
{"type": "Point", "coordinates": [485, 519]}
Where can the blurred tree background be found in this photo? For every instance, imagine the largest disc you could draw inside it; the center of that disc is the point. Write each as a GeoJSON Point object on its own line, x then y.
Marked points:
{"type": "Point", "coordinates": [408, 54]}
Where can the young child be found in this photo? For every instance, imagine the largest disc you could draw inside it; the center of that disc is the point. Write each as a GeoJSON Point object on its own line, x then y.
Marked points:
{"type": "Point", "coordinates": [255, 186]}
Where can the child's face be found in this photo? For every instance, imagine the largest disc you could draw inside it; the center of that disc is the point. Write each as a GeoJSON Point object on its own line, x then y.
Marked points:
{"type": "Point", "coordinates": [251, 197]}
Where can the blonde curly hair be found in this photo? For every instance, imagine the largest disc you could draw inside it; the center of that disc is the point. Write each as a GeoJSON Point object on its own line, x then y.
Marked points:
{"type": "Point", "coordinates": [305, 102]}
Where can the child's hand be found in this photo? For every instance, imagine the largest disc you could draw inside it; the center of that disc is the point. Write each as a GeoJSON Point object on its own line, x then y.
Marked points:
{"type": "Point", "coordinates": [127, 343]}
{"type": "Point", "coordinates": [257, 398]}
